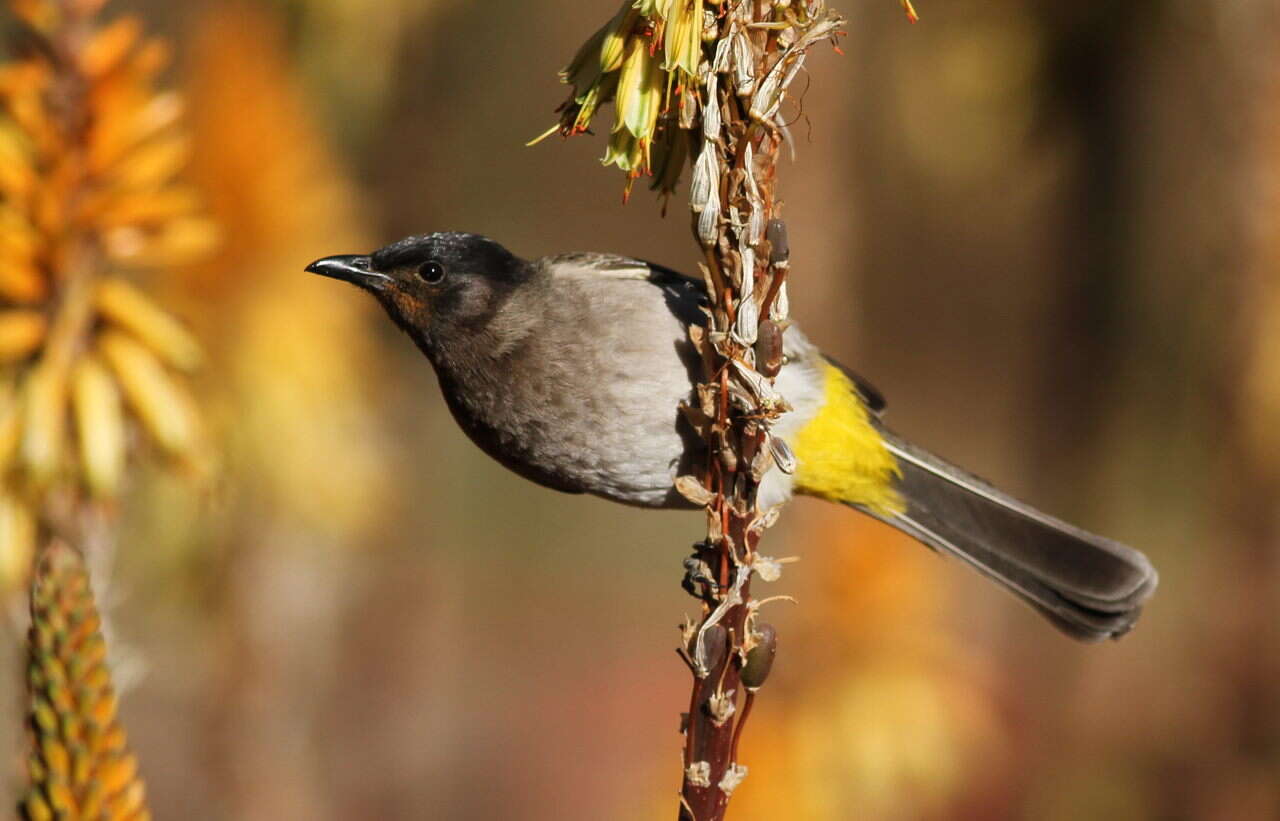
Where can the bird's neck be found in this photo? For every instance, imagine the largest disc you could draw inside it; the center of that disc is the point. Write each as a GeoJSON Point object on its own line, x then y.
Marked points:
{"type": "Point", "coordinates": [482, 360]}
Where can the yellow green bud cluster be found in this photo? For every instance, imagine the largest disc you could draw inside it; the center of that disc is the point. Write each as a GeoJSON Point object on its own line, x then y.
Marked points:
{"type": "Point", "coordinates": [79, 763]}
{"type": "Point", "coordinates": [651, 60]}
{"type": "Point", "coordinates": [646, 61]}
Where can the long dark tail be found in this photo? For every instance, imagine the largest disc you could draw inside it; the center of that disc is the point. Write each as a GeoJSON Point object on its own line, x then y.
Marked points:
{"type": "Point", "coordinates": [1089, 587]}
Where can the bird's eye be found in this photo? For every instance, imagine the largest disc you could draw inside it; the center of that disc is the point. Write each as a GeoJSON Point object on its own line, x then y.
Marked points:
{"type": "Point", "coordinates": [431, 273]}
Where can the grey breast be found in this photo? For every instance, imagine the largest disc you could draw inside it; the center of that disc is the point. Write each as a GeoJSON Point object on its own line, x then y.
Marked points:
{"type": "Point", "coordinates": [591, 400]}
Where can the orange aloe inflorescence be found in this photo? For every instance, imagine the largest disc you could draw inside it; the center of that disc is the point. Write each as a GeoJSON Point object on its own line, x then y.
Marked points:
{"type": "Point", "coordinates": [89, 153]}
{"type": "Point", "coordinates": [80, 765]}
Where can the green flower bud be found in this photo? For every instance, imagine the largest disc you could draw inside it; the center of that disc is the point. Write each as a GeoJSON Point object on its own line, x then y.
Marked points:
{"type": "Point", "coordinates": [639, 91]}
{"type": "Point", "coordinates": [683, 37]}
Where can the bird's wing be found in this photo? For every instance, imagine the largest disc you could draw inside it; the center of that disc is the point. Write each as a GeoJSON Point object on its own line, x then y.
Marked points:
{"type": "Point", "coordinates": [687, 296]}
{"type": "Point", "coordinates": [588, 264]}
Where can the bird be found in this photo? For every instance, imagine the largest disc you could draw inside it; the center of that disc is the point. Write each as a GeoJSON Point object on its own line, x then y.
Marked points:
{"type": "Point", "coordinates": [569, 370]}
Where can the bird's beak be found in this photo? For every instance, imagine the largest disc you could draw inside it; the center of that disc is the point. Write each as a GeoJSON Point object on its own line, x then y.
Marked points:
{"type": "Point", "coordinates": [350, 268]}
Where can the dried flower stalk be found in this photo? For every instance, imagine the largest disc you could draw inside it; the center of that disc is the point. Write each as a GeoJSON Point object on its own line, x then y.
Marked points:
{"type": "Point", "coordinates": [80, 765]}
{"type": "Point", "coordinates": [703, 84]}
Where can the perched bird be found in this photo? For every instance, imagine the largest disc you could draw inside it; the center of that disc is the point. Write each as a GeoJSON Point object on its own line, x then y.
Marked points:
{"type": "Point", "coordinates": [569, 371]}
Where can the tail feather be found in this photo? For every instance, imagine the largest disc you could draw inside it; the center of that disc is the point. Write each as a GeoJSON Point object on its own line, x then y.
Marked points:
{"type": "Point", "coordinates": [1089, 587]}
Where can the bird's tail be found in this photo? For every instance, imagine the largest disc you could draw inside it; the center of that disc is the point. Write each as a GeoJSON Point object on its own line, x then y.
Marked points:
{"type": "Point", "coordinates": [1089, 587]}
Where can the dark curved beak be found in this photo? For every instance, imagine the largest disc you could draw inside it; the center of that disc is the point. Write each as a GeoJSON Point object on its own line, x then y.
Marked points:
{"type": "Point", "coordinates": [351, 268]}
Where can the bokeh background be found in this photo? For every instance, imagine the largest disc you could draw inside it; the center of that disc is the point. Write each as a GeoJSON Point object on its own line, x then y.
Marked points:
{"type": "Point", "coordinates": [1050, 232]}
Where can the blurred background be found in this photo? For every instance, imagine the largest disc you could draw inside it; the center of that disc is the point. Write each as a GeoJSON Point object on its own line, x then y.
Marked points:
{"type": "Point", "coordinates": [1049, 232]}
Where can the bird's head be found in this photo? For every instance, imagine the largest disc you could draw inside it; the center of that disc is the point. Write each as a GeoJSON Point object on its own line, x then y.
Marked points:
{"type": "Point", "coordinates": [434, 285]}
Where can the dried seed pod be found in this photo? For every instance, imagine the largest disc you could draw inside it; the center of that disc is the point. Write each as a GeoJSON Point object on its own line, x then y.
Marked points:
{"type": "Point", "coordinates": [21, 333]}
{"type": "Point", "coordinates": [744, 63]}
{"type": "Point", "coordinates": [709, 220]}
{"type": "Point", "coordinates": [714, 648]}
{"type": "Point", "coordinates": [706, 178]}
{"type": "Point", "coordinates": [166, 410]}
{"type": "Point", "coordinates": [769, 347]}
{"type": "Point", "coordinates": [760, 658]}
{"type": "Point", "coordinates": [125, 305]}
{"type": "Point", "coordinates": [780, 310]}
{"type": "Point", "coordinates": [779, 244]}
{"type": "Point", "coordinates": [747, 323]}
{"type": "Point", "coordinates": [99, 425]}
{"type": "Point", "coordinates": [711, 123]}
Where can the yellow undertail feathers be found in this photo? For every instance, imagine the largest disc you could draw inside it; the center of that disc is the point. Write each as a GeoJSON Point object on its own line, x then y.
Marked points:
{"type": "Point", "coordinates": [841, 455]}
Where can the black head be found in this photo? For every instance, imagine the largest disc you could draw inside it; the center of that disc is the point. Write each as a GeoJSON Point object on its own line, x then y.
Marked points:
{"type": "Point", "coordinates": [434, 283]}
